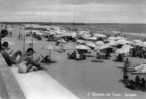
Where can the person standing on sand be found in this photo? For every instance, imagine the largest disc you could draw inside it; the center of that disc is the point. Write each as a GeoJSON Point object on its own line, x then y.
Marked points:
{"type": "Point", "coordinates": [125, 68]}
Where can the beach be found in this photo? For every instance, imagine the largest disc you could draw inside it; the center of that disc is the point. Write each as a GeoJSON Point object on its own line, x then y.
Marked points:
{"type": "Point", "coordinates": [86, 79]}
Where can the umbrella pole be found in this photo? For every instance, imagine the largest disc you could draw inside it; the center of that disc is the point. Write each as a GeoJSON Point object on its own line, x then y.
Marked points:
{"type": "Point", "coordinates": [32, 43]}
{"type": "Point", "coordinates": [24, 43]}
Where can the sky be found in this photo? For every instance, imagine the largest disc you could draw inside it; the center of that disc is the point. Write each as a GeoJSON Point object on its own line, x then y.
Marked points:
{"type": "Point", "coordinates": [87, 11]}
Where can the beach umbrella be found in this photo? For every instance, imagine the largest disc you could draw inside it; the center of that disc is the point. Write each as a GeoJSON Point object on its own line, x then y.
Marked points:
{"type": "Point", "coordinates": [112, 43]}
{"type": "Point", "coordinates": [82, 47]}
{"type": "Point", "coordinates": [91, 44]}
{"type": "Point", "coordinates": [137, 42]}
{"type": "Point", "coordinates": [123, 41]}
{"type": "Point", "coordinates": [38, 33]}
{"type": "Point", "coordinates": [144, 44]}
{"type": "Point", "coordinates": [99, 35]}
{"type": "Point", "coordinates": [73, 34]}
{"type": "Point", "coordinates": [62, 41]}
{"type": "Point", "coordinates": [116, 38]}
{"type": "Point", "coordinates": [81, 41]}
{"type": "Point", "coordinates": [99, 43]}
{"type": "Point", "coordinates": [69, 46]}
{"type": "Point", "coordinates": [105, 46]}
{"type": "Point", "coordinates": [140, 66]}
{"type": "Point", "coordinates": [92, 38]}
{"type": "Point", "coordinates": [111, 38]}
{"type": "Point", "coordinates": [86, 36]}
{"type": "Point", "coordinates": [124, 50]}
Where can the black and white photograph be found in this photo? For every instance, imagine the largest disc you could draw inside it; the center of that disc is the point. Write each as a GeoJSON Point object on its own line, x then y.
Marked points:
{"type": "Point", "coordinates": [72, 49]}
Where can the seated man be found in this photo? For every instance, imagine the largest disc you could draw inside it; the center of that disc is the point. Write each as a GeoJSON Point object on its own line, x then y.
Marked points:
{"type": "Point", "coordinates": [29, 64]}
{"type": "Point", "coordinates": [10, 58]}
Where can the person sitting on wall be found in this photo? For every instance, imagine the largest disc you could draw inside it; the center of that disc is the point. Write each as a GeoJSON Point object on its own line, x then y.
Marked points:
{"type": "Point", "coordinates": [31, 64]}
{"type": "Point", "coordinates": [10, 57]}
{"type": "Point", "coordinates": [28, 62]}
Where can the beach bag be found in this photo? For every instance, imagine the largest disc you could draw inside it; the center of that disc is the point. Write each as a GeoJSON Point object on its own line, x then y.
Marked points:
{"type": "Point", "coordinates": [22, 67]}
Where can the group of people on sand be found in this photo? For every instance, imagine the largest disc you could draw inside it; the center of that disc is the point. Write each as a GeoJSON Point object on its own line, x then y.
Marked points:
{"type": "Point", "coordinates": [77, 55]}
{"type": "Point", "coordinates": [82, 54]}
{"type": "Point", "coordinates": [136, 84]}
{"type": "Point", "coordinates": [24, 60]}
{"type": "Point", "coordinates": [138, 51]}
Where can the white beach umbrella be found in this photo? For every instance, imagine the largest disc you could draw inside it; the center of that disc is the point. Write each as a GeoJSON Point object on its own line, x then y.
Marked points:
{"type": "Point", "coordinates": [92, 38]}
{"type": "Point", "coordinates": [62, 41]}
{"type": "Point", "coordinates": [91, 44]}
{"type": "Point", "coordinates": [38, 33]}
{"type": "Point", "coordinates": [123, 41]}
{"type": "Point", "coordinates": [82, 47]}
{"type": "Point", "coordinates": [124, 50]}
{"type": "Point", "coordinates": [112, 43]}
{"type": "Point", "coordinates": [137, 42]}
{"type": "Point", "coordinates": [141, 68]}
{"type": "Point", "coordinates": [144, 44]}
{"type": "Point", "coordinates": [99, 35]}
{"type": "Point", "coordinates": [99, 43]}
{"type": "Point", "coordinates": [73, 34]}
{"type": "Point", "coordinates": [81, 41]}
{"type": "Point", "coordinates": [105, 46]}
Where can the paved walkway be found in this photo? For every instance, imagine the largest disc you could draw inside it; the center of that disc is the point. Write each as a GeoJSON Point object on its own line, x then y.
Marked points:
{"type": "Point", "coordinates": [40, 85]}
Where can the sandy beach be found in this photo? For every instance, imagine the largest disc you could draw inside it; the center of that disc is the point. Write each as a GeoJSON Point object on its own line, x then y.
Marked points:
{"type": "Point", "coordinates": [86, 79]}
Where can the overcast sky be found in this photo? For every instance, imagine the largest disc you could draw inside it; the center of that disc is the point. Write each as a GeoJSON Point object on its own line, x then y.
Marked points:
{"type": "Point", "coordinates": [91, 11]}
